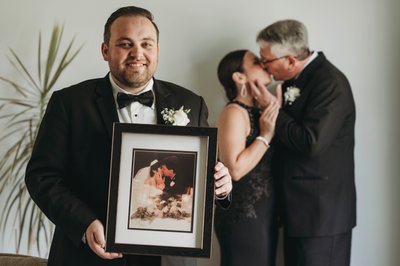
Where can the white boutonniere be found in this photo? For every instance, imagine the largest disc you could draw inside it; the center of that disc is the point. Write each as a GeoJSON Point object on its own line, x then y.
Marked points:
{"type": "Point", "coordinates": [291, 94]}
{"type": "Point", "coordinates": [176, 117]}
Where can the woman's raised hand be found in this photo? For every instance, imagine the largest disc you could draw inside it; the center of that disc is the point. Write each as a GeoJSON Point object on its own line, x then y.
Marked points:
{"type": "Point", "coordinates": [268, 120]}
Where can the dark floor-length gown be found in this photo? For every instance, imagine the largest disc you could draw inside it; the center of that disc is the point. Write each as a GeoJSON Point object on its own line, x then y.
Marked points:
{"type": "Point", "coordinates": [247, 230]}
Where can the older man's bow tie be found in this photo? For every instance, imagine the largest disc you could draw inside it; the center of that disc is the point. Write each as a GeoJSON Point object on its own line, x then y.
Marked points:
{"type": "Point", "coordinates": [125, 99]}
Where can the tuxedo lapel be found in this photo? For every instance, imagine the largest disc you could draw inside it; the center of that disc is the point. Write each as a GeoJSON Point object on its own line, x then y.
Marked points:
{"type": "Point", "coordinates": [287, 83]}
{"type": "Point", "coordinates": [106, 104]}
{"type": "Point", "coordinates": [301, 82]}
{"type": "Point", "coordinates": [163, 99]}
{"type": "Point", "coordinates": [308, 72]}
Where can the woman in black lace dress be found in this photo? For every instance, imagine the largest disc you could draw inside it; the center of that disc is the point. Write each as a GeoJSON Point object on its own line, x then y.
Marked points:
{"type": "Point", "coordinates": [247, 230]}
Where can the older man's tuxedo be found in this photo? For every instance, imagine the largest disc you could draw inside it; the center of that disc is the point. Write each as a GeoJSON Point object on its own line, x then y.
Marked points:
{"type": "Point", "coordinates": [314, 162]}
{"type": "Point", "coordinates": [67, 175]}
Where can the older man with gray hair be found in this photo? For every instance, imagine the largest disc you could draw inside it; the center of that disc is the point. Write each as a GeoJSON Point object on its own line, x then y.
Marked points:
{"type": "Point", "coordinates": [314, 141]}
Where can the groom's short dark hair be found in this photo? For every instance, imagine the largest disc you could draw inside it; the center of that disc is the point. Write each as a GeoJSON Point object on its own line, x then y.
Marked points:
{"type": "Point", "coordinates": [171, 162]}
{"type": "Point", "coordinates": [127, 11]}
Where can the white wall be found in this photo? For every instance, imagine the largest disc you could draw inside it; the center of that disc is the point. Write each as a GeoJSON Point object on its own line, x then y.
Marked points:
{"type": "Point", "coordinates": [361, 37]}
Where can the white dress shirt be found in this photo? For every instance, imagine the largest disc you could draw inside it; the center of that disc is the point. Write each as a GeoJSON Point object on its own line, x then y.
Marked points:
{"type": "Point", "coordinates": [135, 112]}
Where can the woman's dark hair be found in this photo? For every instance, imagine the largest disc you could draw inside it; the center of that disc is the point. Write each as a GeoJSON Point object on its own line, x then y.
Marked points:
{"type": "Point", "coordinates": [126, 12]}
{"type": "Point", "coordinates": [229, 64]}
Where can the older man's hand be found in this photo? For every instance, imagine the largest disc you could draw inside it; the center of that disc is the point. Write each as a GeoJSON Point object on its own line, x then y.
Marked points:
{"type": "Point", "coordinates": [263, 96]}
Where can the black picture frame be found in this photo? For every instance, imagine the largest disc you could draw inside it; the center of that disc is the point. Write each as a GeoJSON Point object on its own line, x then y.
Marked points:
{"type": "Point", "coordinates": [145, 216]}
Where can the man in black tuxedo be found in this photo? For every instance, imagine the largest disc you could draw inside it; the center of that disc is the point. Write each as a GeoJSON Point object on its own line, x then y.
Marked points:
{"type": "Point", "coordinates": [314, 140]}
{"type": "Point", "coordinates": [67, 175]}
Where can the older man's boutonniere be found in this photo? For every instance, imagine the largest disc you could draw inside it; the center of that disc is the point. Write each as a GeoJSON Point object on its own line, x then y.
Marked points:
{"type": "Point", "coordinates": [291, 94]}
{"type": "Point", "coordinates": [176, 117]}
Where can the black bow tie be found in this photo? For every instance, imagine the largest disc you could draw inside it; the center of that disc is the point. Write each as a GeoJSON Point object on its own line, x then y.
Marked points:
{"type": "Point", "coordinates": [125, 99]}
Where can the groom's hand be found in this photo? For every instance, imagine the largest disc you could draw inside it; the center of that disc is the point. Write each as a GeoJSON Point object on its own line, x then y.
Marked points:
{"type": "Point", "coordinates": [96, 241]}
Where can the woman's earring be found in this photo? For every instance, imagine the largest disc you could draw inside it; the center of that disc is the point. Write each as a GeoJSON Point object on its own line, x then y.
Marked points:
{"type": "Point", "coordinates": [243, 90]}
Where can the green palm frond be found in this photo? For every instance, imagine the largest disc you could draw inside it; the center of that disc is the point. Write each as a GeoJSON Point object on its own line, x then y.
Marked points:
{"type": "Point", "coordinates": [17, 87]}
{"type": "Point", "coordinates": [22, 219]}
{"type": "Point", "coordinates": [65, 61]}
{"type": "Point", "coordinates": [25, 73]}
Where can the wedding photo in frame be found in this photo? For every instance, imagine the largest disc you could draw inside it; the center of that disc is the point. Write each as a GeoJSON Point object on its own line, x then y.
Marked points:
{"type": "Point", "coordinates": [161, 190]}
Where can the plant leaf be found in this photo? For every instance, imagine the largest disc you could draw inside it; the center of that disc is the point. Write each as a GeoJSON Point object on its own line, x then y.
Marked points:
{"type": "Point", "coordinates": [22, 116]}
{"type": "Point", "coordinates": [64, 63]}
{"type": "Point", "coordinates": [17, 87]}
{"type": "Point", "coordinates": [52, 53]}
{"type": "Point", "coordinates": [24, 69]}
{"type": "Point", "coordinates": [18, 102]}
{"type": "Point", "coordinates": [39, 62]}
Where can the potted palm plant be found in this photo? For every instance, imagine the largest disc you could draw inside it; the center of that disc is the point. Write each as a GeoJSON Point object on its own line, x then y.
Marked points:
{"type": "Point", "coordinates": [22, 222]}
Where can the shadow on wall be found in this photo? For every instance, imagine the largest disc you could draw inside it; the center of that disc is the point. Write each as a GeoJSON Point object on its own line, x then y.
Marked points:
{"type": "Point", "coordinates": [206, 79]}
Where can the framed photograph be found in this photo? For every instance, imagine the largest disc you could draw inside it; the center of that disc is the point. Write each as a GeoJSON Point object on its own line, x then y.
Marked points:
{"type": "Point", "coordinates": [161, 190]}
